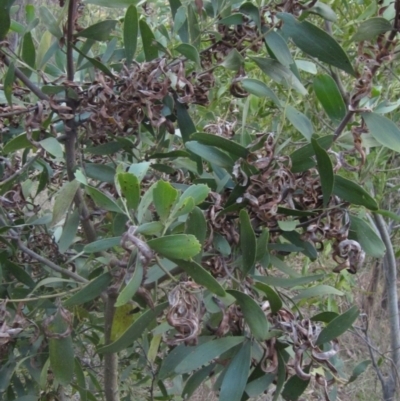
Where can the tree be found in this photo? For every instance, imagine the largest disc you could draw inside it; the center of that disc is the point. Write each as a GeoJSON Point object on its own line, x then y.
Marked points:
{"type": "Point", "coordinates": [163, 167]}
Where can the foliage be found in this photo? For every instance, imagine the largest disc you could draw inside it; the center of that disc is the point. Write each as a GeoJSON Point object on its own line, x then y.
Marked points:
{"type": "Point", "coordinates": [161, 167]}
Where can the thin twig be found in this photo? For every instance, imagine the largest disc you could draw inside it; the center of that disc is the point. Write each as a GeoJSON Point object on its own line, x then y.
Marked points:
{"type": "Point", "coordinates": [18, 112]}
{"type": "Point", "coordinates": [24, 168]}
{"type": "Point", "coordinates": [50, 264]}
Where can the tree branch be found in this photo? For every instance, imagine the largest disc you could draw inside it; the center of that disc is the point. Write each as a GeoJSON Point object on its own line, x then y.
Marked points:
{"type": "Point", "coordinates": [50, 264]}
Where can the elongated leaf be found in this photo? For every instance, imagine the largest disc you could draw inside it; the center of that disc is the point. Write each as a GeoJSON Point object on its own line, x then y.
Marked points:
{"type": "Point", "coordinates": [210, 154]}
{"type": "Point", "coordinates": [195, 380]}
{"type": "Point", "coordinates": [358, 370]}
{"type": "Point", "coordinates": [28, 50]}
{"type": "Point", "coordinates": [102, 245]}
{"type": "Point", "coordinates": [113, 4]}
{"type": "Point", "coordinates": [369, 240]}
{"type": "Point", "coordinates": [61, 351]}
{"type": "Point", "coordinates": [102, 200]}
{"type": "Point", "coordinates": [63, 200]}
{"type": "Point", "coordinates": [371, 28]}
{"type": "Point", "coordinates": [329, 95]}
{"type": "Point", "coordinates": [148, 39]}
{"type": "Point", "coordinates": [204, 353]}
{"type": "Point", "coordinates": [103, 68]}
{"type": "Point", "coordinates": [316, 42]}
{"type": "Point", "coordinates": [248, 242]}
{"type": "Point", "coordinates": [179, 246]}
{"type": "Point", "coordinates": [260, 89]}
{"type": "Point", "coordinates": [253, 315]}
{"type": "Point", "coordinates": [272, 297]}
{"type": "Point", "coordinates": [288, 282]}
{"type": "Point", "coordinates": [235, 379]}
{"type": "Point", "coordinates": [131, 287]}
{"type": "Point", "coordinates": [317, 291]}
{"type": "Point", "coordinates": [50, 22]}
{"type": "Point", "coordinates": [353, 193]}
{"type": "Point", "coordinates": [100, 172]}
{"type": "Point", "coordinates": [295, 387]}
{"type": "Point", "coordinates": [197, 192]}
{"type": "Point", "coordinates": [279, 73]}
{"type": "Point", "coordinates": [383, 130]}
{"type": "Point", "coordinates": [135, 330]}
{"type": "Point", "coordinates": [325, 170]}
{"type": "Point", "coordinates": [196, 224]}
{"type": "Point", "coordinates": [131, 29]}
{"type": "Point", "coordinates": [69, 231]}
{"type": "Point", "coordinates": [99, 31]}
{"type": "Point", "coordinates": [52, 146]}
{"type": "Point", "coordinates": [300, 121]}
{"type": "Point", "coordinates": [164, 197]}
{"type": "Point", "coordinates": [306, 247]}
{"type": "Point", "coordinates": [190, 52]}
{"type": "Point", "coordinates": [200, 276]}
{"type": "Point", "coordinates": [90, 291]}
{"type": "Point", "coordinates": [233, 61]}
{"type": "Point", "coordinates": [338, 326]}
{"type": "Point", "coordinates": [279, 48]}
{"type": "Point", "coordinates": [5, 19]}
{"type": "Point", "coordinates": [130, 189]}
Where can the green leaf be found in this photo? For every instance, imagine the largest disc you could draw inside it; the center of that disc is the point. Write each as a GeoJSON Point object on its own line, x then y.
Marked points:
{"type": "Point", "coordinates": [106, 71]}
{"type": "Point", "coordinates": [63, 200]}
{"type": "Point", "coordinates": [371, 28]}
{"type": "Point", "coordinates": [131, 29]}
{"type": "Point", "coordinates": [28, 50]}
{"type": "Point", "coordinates": [325, 317]}
{"type": "Point", "coordinates": [164, 197]}
{"type": "Point", "coordinates": [317, 291]}
{"type": "Point", "coordinates": [179, 246]}
{"type": "Point", "coordinates": [149, 47]}
{"type": "Point", "coordinates": [204, 353]}
{"type": "Point", "coordinates": [113, 4]}
{"type": "Point", "coordinates": [369, 240]}
{"type": "Point", "coordinates": [248, 242]}
{"type": "Point", "coordinates": [69, 231]}
{"type": "Point", "coordinates": [338, 326]}
{"type": "Point", "coordinates": [329, 95]}
{"type": "Point", "coordinates": [5, 19]}
{"type": "Point", "coordinates": [325, 170]}
{"type": "Point", "coordinates": [130, 189]}
{"type": "Point", "coordinates": [8, 83]}
{"type": "Point", "coordinates": [272, 297]}
{"type": "Point", "coordinates": [197, 192]}
{"type": "Point", "coordinates": [262, 245]}
{"type": "Point", "coordinates": [100, 172]}
{"type": "Point", "coordinates": [385, 131]}
{"type": "Point", "coordinates": [139, 169]}
{"type": "Point", "coordinates": [259, 385]}
{"type": "Point", "coordinates": [190, 52]}
{"type": "Point", "coordinates": [279, 48]}
{"type": "Point", "coordinates": [236, 374]}
{"type": "Point", "coordinates": [288, 282]}
{"type": "Point", "coordinates": [353, 193]}
{"type": "Point", "coordinates": [99, 31]}
{"type": "Point", "coordinates": [300, 121]}
{"type": "Point", "coordinates": [196, 224]}
{"type": "Point", "coordinates": [323, 10]}
{"type": "Point", "coordinates": [280, 74]}
{"type": "Point", "coordinates": [358, 370]}
{"type": "Point", "coordinates": [134, 331]}
{"type": "Point", "coordinates": [195, 380]}
{"type": "Point", "coordinates": [306, 247]}
{"type": "Point", "coordinates": [50, 22]}
{"type": "Point", "coordinates": [145, 202]}
{"type": "Point", "coordinates": [102, 245]}
{"type": "Point", "coordinates": [302, 158]}
{"type": "Point", "coordinates": [253, 314]}
{"type": "Point", "coordinates": [233, 148]}
{"type": "Point", "coordinates": [52, 146]}
{"type": "Point", "coordinates": [103, 201]}
{"type": "Point", "coordinates": [260, 89]}
{"type": "Point", "coordinates": [233, 61]}
{"type": "Point", "coordinates": [200, 276]}
{"type": "Point", "coordinates": [152, 228]}
{"type": "Point", "coordinates": [251, 11]}
{"type": "Point", "coordinates": [234, 19]}
{"type": "Point", "coordinates": [90, 291]}
{"type": "Point", "coordinates": [131, 287]}
{"type": "Point", "coordinates": [316, 42]}
{"type": "Point", "coordinates": [288, 225]}
{"type": "Point", "coordinates": [295, 387]}
{"type": "Point", "coordinates": [61, 351]}
{"type": "Point", "coordinates": [210, 154]}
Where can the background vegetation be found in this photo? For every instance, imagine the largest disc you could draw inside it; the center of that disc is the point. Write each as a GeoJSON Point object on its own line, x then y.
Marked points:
{"type": "Point", "coordinates": [198, 195]}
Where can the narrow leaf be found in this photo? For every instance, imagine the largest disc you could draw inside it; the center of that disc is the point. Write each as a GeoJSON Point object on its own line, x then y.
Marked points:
{"type": "Point", "coordinates": [272, 297]}
{"type": "Point", "coordinates": [317, 291]}
{"type": "Point", "coordinates": [329, 95]}
{"type": "Point", "coordinates": [8, 83]}
{"type": "Point", "coordinates": [358, 370]}
{"type": "Point", "coordinates": [179, 246]}
{"type": "Point", "coordinates": [235, 378]}
{"type": "Point", "coordinates": [210, 154]}
{"type": "Point", "coordinates": [253, 314]}
{"type": "Point", "coordinates": [102, 245]}
{"type": "Point", "coordinates": [131, 29]}
{"type": "Point", "coordinates": [190, 52]}
{"type": "Point", "coordinates": [248, 242]}
{"type": "Point", "coordinates": [63, 200]}
{"type": "Point", "coordinates": [260, 89]}
{"type": "Point", "coordinates": [353, 193]}
{"type": "Point", "coordinates": [103, 201]}
{"type": "Point", "coordinates": [99, 31]}
{"type": "Point", "coordinates": [338, 325]}
{"type": "Point", "coordinates": [325, 170]}
{"type": "Point", "coordinates": [300, 121]}
{"type": "Point", "coordinates": [135, 330]}
{"type": "Point", "coordinates": [50, 22]}
{"type": "Point", "coordinates": [149, 47]}
{"type": "Point", "coordinates": [131, 287]}
{"type": "Point", "coordinates": [371, 28]}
